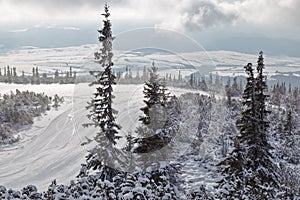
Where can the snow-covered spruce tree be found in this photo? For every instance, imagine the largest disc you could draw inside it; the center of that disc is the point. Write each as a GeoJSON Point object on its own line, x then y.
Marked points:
{"type": "Point", "coordinates": [262, 178]}
{"type": "Point", "coordinates": [160, 124]}
{"type": "Point", "coordinates": [100, 106]}
{"type": "Point", "coordinates": [155, 93]}
{"type": "Point", "coordinates": [232, 185]}
{"type": "Point", "coordinates": [101, 114]}
{"type": "Point", "coordinates": [260, 99]}
{"type": "Point", "coordinates": [249, 171]}
{"type": "Point", "coordinates": [291, 150]}
{"type": "Point", "coordinates": [289, 124]}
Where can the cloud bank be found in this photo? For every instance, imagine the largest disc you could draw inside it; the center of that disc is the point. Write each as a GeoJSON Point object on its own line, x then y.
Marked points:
{"type": "Point", "coordinates": [199, 15]}
{"type": "Point", "coordinates": [202, 14]}
{"type": "Point", "coordinates": [176, 14]}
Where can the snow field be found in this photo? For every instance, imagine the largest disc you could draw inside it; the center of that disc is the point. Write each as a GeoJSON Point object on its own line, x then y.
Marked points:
{"type": "Point", "coordinates": [51, 148]}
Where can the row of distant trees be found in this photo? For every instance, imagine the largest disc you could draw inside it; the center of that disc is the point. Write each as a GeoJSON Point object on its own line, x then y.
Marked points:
{"type": "Point", "coordinates": [193, 81]}
{"type": "Point", "coordinates": [127, 77]}
{"type": "Point", "coordinates": [9, 75]}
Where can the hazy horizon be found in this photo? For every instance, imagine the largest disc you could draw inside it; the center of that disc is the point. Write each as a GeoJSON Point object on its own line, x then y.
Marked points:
{"type": "Point", "coordinates": [246, 26]}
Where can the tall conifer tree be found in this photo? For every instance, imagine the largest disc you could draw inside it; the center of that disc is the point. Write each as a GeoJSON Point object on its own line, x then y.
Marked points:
{"type": "Point", "coordinates": [104, 156]}
{"type": "Point", "coordinates": [249, 171]}
{"type": "Point", "coordinates": [100, 106]}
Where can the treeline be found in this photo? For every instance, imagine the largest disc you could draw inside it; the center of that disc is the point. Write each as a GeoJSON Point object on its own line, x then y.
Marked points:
{"type": "Point", "coordinates": [9, 75]}
{"type": "Point", "coordinates": [193, 81]}
{"type": "Point", "coordinates": [19, 109]}
{"type": "Point", "coordinates": [285, 95]}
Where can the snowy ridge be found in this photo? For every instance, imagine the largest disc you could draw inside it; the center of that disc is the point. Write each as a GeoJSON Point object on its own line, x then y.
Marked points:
{"type": "Point", "coordinates": [81, 58]}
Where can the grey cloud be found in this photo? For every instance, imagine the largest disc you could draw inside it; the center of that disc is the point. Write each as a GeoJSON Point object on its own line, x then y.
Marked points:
{"type": "Point", "coordinates": [204, 14]}
{"type": "Point", "coordinates": [174, 14]}
{"type": "Point", "coordinates": [55, 12]}
{"type": "Point", "coordinates": [64, 5]}
{"type": "Point", "coordinates": [290, 14]}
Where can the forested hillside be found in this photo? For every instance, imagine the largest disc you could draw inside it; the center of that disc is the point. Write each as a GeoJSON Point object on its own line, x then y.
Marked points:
{"type": "Point", "coordinates": [214, 141]}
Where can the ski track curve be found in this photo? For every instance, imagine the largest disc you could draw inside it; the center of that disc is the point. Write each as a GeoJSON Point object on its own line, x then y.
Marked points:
{"type": "Point", "coordinates": [51, 147]}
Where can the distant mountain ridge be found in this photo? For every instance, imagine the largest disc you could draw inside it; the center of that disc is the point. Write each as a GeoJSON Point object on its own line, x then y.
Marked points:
{"type": "Point", "coordinates": [225, 63]}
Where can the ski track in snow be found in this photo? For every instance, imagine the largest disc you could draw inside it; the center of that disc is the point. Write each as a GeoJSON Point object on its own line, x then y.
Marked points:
{"type": "Point", "coordinates": [51, 148]}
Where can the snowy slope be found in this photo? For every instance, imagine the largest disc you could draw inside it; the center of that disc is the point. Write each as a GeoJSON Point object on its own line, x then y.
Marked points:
{"type": "Point", "coordinates": [47, 147]}
{"type": "Point", "coordinates": [50, 148]}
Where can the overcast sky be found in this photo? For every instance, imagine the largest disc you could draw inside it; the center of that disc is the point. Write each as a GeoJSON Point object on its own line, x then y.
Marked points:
{"type": "Point", "coordinates": [217, 24]}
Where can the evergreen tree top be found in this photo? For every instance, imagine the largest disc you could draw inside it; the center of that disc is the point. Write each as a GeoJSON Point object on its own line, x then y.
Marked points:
{"type": "Point", "coordinates": [260, 62]}
{"type": "Point", "coordinates": [106, 10]}
{"type": "Point", "coordinates": [249, 70]}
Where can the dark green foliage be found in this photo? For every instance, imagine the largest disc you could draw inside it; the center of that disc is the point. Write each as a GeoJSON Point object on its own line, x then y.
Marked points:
{"type": "Point", "coordinates": [104, 155]}
{"type": "Point", "coordinates": [290, 123]}
{"type": "Point", "coordinates": [150, 144]}
{"type": "Point", "coordinates": [161, 130]}
{"type": "Point", "coordinates": [249, 170]}
{"type": "Point", "coordinates": [100, 106]}
{"type": "Point", "coordinates": [19, 109]}
{"type": "Point", "coordinates": [155, 93]}
{"type": "Point", "coordinates": [232, 90]}
{"type": "Point", "coordinates": [57, 101]}
{"type": "Point", "coordinates": [200, 194]}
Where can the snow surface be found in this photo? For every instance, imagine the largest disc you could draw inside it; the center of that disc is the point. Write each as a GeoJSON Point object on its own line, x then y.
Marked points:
{"type": "Point", "coordinates": [81, 58]}
{"type": "Point", "coordinates": [47, 149]}
{"type": "Point", "coordinates": [51, 148]}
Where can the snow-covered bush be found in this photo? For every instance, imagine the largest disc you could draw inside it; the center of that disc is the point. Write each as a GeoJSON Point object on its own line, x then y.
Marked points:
{"type": "Point", "coordinates": [19, 109]}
